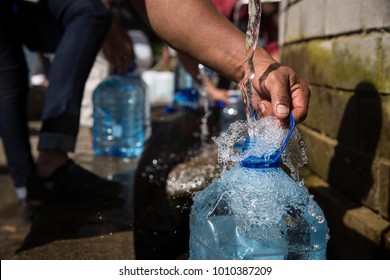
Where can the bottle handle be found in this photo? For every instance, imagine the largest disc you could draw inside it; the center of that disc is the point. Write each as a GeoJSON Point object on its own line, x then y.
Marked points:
{"type": "Point", "coordinates": [292, 126]}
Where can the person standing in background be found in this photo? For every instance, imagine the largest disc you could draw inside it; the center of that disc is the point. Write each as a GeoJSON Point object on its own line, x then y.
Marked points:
{"type": "Point", "coordinates": [73, 31]}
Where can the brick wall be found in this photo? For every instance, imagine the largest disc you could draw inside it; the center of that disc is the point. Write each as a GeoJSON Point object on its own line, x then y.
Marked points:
{"type": "Point", "coordinates": [342, 48]}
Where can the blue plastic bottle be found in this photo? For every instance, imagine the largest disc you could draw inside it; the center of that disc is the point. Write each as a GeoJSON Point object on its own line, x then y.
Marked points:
{"type": "Point", "coordinates": [121, 116]}
{"type": "Point", "coordinates": [186, 94]}
{"type": "Point", "coordinates": [255, 211]}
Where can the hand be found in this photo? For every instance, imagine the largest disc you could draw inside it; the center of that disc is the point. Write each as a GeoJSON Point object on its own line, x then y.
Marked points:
{"type": "Point", "coordinates": [280, 92]}
{"type": "Point", "coordinates": [118, 48]}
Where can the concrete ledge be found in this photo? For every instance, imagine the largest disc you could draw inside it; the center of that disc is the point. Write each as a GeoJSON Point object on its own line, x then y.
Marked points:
{"type": "Point", "coordinates": [356, 231]}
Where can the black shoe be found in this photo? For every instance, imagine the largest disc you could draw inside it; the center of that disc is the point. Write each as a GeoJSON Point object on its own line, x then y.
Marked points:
{"type": "Point", "coordinates": [71, 182]}
{"type": "Point", "coordinates": [28, 210]}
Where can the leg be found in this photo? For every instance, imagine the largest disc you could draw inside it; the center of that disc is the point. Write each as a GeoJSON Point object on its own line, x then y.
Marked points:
{"type": "Point", "coordinates": [83, 24]}
{"type": "Point", "coordinates": [74, 31]}
{"type": "Point", "coordinates": [13, 99]}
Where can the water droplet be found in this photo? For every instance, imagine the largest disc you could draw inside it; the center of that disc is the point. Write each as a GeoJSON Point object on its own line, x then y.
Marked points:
{"type": "Point", "coordinates": [320, 219]}
{"type": "Point", "coordinates": [154, 161]}
{"type": "Point", "coordinates": [316, 247]}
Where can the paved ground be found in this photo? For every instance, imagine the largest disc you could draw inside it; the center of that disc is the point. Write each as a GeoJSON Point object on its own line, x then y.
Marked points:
{"type": "Point", "coordinates": [79, 231]}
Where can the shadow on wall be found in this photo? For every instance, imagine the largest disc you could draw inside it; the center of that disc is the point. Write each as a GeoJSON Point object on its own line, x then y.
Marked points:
{"type": "Point", "coordinates": [350, 173]}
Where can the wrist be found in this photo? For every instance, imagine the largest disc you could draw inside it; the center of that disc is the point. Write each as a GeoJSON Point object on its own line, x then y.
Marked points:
{"type": "Point", "coordinates": [262, 60]}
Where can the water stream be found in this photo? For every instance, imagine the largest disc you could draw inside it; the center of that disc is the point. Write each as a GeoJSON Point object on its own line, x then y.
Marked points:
{"type": "Point", "coordinates": [252, 36]}
{"type": "Point", "coordinates": [266, 129]}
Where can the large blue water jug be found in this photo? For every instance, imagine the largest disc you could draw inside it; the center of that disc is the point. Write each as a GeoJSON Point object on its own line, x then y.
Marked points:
{"type": "Point", "coordinates": [121, 114]}
{"type": "Point", "coordinates": [255, 211]}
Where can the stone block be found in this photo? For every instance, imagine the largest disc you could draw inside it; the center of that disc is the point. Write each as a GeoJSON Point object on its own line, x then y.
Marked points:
{"type": "Point", "coordinates": [343, 17]}
{"type": "Point", "coordinates": [3, 159]}
{"type": "Point", "coordinates": [383, 149]}
{"type": "Point", "coordinates": [366, 222]}
{"type": "Point", "coordinates": [283, 5]}
{"type": "Point", "coordinates": [369, 119]}
{"type": "Point", "coordinates": [320, 150]}
{"type": "Point", "coordinates": [355, 231]}
{"type": "Point", "coordinates": [356, 119]}
{"type": "Point", "coordinates": [320, 62]}
{"type": "Point", "coordinates": [350, 172]}
{"type": "Point", "coordinates": [355, 60]}
{"type": "Point", "coordinates": [293, 22]}
{"type": "Point", "coordinates": [295, 56]}
{"type": "Point", "coordinates": [373, 121]}
{"type": "Point", "coordinates": [328, 110]}
{"type": "Point", "coordinates": [384, 85]}
{"type": "Point", "coordinates": [313, 18]}
{"type": "Point", "coordinates": [376, 14]}
{"type": "Point", "coordinates": [386, 240]}
{"type": "Point", "coordinates": [282, 28]}
{"type": "Point", "coordinates": [353, 174]}
{"type": "Point", "coordinates": [384, 188]}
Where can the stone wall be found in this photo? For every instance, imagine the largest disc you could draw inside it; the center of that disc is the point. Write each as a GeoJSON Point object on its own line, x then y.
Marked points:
{"type": "Point", "coordinates": [342, 48]}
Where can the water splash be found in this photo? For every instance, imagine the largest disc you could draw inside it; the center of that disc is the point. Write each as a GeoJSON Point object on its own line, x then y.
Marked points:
{"type": "Point", "coordinates": [200, 169]}
{"type": "Point", "coordinates": [295, 155]}
{"type": "Point", "coordinates": [204, 130]}
{"type": "Point", "coordinates": [271, 135]}
{"type": "Point", "coordinates": [193, 175]}
{"type": "Point", "coordinates": [267, 130]}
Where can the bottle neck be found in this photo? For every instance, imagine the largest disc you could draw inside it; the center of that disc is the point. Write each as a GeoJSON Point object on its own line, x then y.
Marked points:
{"type": "Point", "coordinates": [270, 160]}
{"type": "Point", "coordinates": [258, 162]}
{"type": "Point", "coordinates": [265, 161]}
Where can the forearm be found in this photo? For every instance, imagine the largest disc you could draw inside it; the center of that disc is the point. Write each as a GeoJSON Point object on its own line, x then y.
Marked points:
{"type": "Point", "coordinates": [217, 44]}
{"type": "Point", "coordinates": [191, 65]}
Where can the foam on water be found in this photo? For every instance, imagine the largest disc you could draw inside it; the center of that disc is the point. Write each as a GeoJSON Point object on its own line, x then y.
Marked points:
{"type": "Point", "coordinates": [270, 136]}
{"type": "Point", "coordinates": [258, 213]}
{"type": "Point", "coordinates": [253, 213]}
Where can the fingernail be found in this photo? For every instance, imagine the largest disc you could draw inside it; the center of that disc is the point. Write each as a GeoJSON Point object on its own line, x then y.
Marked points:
{"type": "Point", "coordinates": [282, 109]}
{"type": "Point", "coordinates": [262, 108]}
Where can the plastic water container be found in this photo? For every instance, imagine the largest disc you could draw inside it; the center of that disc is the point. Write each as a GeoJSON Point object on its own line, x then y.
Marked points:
{"type": "Point", "coordinates": [255, 211]}
{"type": "Point", "coordinates": [186, 95]}
{"type": "Point", "coordinates": [121, 114]}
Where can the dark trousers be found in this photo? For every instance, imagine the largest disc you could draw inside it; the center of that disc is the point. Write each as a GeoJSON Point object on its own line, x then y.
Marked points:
{"type": "Point", "coordinates": [74, 31]}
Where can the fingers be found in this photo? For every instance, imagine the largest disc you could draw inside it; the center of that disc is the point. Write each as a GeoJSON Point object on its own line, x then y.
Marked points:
{"type": "Point", "coordinates": [281, 94]}
{"type": "Point", "coordinates": [300, 97]}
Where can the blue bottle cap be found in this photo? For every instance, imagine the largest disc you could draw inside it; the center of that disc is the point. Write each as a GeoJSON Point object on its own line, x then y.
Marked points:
{"type": "Point", "coordinates": [271, 160]}
{"type": "Point", "coordinates": [131, 69]}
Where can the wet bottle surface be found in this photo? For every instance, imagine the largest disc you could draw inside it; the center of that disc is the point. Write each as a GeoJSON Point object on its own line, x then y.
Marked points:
{"type": "Point", "coordinates": [256, 211]}
{"type": "Point", "coordinates": [121, 116]}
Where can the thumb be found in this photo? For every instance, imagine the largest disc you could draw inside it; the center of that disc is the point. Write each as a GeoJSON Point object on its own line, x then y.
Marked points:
{"type": "Point", "coordinates": [278, 87]}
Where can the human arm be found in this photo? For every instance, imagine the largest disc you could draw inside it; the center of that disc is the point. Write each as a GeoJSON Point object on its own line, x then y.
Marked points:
{"type": "Point", "coordinates": [195, 27]}
{"type": "Point", "coordinates": [118, 46]}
